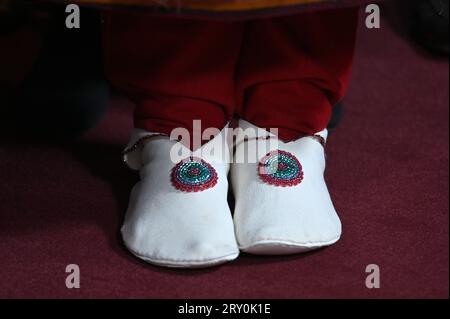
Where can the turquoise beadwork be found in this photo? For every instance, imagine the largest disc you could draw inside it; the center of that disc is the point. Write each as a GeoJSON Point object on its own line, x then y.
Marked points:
{"type": "Point", "coordinates": [193, 175]}
{"type": "Point", "coordinates": [280, 168]}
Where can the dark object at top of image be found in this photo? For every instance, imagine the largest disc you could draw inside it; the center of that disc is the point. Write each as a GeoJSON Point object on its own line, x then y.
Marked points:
{"type": "Point", "coordinates": [431, 25]}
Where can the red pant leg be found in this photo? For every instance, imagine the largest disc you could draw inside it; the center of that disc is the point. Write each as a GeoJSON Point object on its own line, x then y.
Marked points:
{"type": "Point", "coordinates": [293, 69]}
{"type": "Point", "coordinates": [175, 70]}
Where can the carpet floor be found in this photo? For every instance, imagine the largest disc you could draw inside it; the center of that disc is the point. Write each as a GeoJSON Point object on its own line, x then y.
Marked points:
{"type": "Point", "coordinates": [387, 172]}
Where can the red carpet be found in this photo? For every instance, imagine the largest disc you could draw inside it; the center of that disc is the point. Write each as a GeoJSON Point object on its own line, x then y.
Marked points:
{"type": "Point", "coordinates": [387, 172]}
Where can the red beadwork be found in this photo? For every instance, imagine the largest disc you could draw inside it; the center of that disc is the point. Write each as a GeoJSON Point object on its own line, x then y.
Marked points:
{"type": "Point", "coordinates": [197, 186]}
{"type": "Point", "coordinates": [282, 181]}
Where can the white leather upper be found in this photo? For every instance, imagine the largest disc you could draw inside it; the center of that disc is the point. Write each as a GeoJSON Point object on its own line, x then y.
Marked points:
{"type": "Point", "coordinates": [169, 227]}
{"type": "Point", "coordinates": [281, 220]}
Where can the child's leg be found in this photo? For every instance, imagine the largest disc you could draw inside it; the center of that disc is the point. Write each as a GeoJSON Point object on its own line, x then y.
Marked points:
{"type": "Point", "coordinates": [291, 72]}
{"type": "Point", "coordinates": [176, 71]}
{"type": "Point", "coordinates": [293, 69]}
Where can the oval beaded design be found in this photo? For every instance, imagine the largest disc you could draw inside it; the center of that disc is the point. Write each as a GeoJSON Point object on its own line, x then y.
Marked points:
{"type": "Point", "coordinates": [280, 168]}
{"type": "Point", "coordinates": [193, 175]}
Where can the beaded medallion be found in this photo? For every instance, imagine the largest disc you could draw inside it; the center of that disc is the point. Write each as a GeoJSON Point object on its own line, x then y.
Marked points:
{"type": "Point", "coordinates": [280, 168]}
{"type": "Point", "coordinates": [193, 175]}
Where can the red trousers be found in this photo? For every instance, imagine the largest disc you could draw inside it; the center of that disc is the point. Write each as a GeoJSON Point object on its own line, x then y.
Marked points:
{"type": "Point", "coordinates": [283, 72]}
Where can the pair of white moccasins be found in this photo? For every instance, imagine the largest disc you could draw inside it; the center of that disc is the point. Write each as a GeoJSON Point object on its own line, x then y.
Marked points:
{"type": "Point", "coordinates": [179, 216]}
